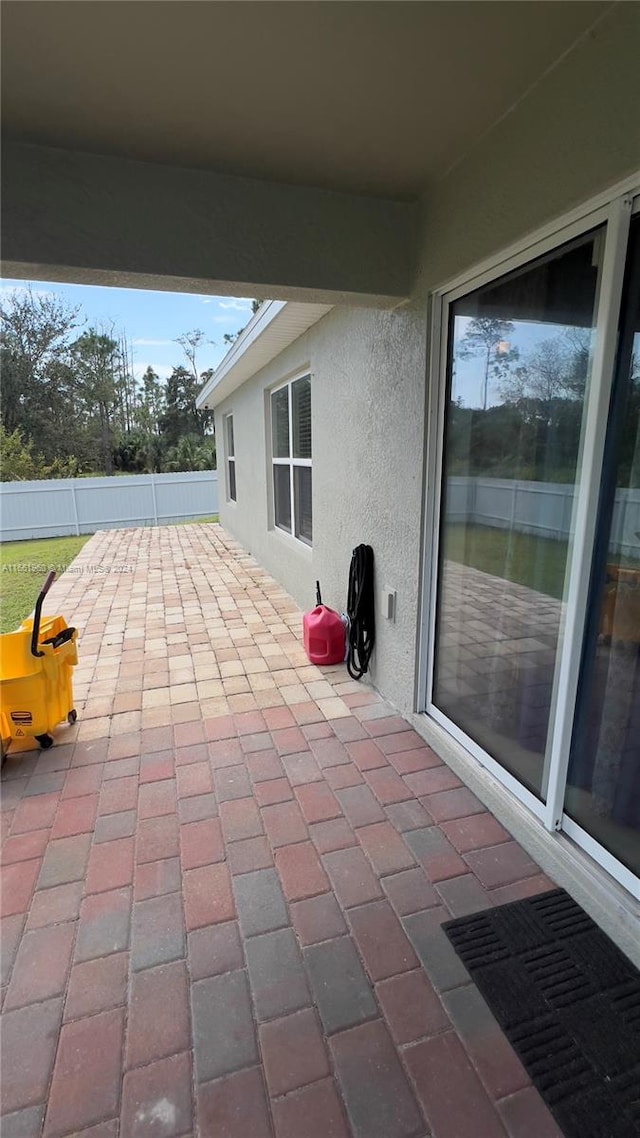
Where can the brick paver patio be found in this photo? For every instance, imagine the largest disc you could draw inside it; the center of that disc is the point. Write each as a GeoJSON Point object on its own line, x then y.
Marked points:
{"type": "Point", "coordinates": [223, 889]}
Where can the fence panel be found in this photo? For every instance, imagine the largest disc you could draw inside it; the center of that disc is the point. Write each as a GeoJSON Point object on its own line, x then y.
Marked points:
{"type": "Point", "coordinates": [541, 508]}
{"type": "Point", "coordinates": [82, 505]}
{"type": "Point", "coordinates": [59, 508]}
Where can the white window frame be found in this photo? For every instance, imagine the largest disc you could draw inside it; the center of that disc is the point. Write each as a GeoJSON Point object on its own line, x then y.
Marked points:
{"type": "Point", "coordinates": [230, 457]}
{"type": "Point", "coordinates": [614, 208]}
{"type": "Point", "coordinates": [291, 462]}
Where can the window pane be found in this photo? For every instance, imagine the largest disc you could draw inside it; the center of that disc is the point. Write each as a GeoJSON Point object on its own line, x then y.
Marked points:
{"type": "Point", "coordinates": [301, 409]}
{"type": "Point", "coordinates": [232, 480]}
{"type": "Point", "coordinates": [282, 496]}
{"type": "Point", "coordinates": [231, 449]}
{"type": "Point", "coordinates": [302, 495]}
{"type": "Point", "coordinates": [280, 423]}
{"type": "Point", "coordinates": [519, 359]}
{"type": "Point", "coordinates": [603, 785]}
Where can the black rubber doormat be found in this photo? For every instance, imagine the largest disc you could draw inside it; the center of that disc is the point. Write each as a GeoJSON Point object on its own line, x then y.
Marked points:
{"type": "Point", "coordinates": [568, 1001]}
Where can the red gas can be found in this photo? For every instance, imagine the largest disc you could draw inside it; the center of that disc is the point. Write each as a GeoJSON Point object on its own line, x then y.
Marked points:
{"type": "Point", "coordinates": [323, 634]}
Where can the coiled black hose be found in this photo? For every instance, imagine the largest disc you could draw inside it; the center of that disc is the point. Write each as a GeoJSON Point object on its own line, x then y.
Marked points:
{"type": "Point", "coordinates": [361, 612]}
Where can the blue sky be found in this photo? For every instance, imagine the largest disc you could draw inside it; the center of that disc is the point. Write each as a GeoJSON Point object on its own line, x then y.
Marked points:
{"type": "Point", "coordinates": [152, 321]}
{"type": "Point", "coordinates": [469, 374]}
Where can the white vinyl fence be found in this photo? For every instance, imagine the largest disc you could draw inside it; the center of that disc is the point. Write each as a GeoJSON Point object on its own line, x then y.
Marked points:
{"type": "Point", "coordinates": [65, 506]}
{"type": "Point", "coordinates": [542, 508]}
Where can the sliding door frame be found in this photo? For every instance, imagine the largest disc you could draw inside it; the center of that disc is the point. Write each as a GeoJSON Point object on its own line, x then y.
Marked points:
{"type": "Point", "coordinates": [585, 511]}
{"type": "Point", "coordinates": [613, 210]}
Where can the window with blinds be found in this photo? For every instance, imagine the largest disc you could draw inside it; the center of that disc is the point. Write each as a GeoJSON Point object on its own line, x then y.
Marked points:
{"type": "Point", "coordinates": [231, 460]}
{"type": "Point", "coordinates": [291, 458]}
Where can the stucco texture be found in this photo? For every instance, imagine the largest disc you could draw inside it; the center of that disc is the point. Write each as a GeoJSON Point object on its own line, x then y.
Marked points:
{"type": "Point", "coordinates": [103, 220]}
{"type": "Point", "coordinates": [574, 134]}
{"type": "Point", "coordinates": [367, 373]}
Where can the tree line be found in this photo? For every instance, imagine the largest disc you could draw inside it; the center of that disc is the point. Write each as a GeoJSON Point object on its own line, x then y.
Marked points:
{"type": "Point", "coordinates": [71, 404]}
{"type": "Point", "coordinates": [530, 420]}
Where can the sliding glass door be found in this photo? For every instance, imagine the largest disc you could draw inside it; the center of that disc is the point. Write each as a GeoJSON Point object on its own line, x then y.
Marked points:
{"type": "Point", "coordinates": [603, 784]}
{"type": "Point", "coordinates": [534, 638]}
{"type": "Point", "coordinates": [518, 369]}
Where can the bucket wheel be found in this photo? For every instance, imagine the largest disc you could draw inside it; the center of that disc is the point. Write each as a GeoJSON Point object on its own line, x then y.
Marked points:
{"type": "Point", "coordinates": [45, 741]}
{"type": "Point", "coordinates": [72, 716]}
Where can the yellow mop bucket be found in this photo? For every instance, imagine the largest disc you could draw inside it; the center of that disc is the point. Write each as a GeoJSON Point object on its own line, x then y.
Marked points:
{"type": "Point", "coordinates": [36, 690]}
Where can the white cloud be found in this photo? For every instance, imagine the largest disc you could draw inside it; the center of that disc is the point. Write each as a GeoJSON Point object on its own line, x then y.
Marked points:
{"type": "Point", "coordinates": [237, 303]}
{"type": "Point", "coordinates": [8, 290]}
{"type": "Point", "coordinates": [152, 343]}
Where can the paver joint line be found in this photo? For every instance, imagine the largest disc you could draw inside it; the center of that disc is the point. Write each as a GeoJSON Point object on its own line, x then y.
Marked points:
{"type": "Point", "coordinates": [238, 864]}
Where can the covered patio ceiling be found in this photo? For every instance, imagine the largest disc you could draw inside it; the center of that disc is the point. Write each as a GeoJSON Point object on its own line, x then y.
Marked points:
{"type": "Point", "coordinates": [277, 150]}
{"type": "Point", "coordinates": [364, 98]}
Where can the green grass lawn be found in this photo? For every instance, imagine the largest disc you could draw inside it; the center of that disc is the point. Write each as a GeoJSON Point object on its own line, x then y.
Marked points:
{"type": "Point", "coordinates": [520, 557]}
{"type": "Point", "coordinates": [538, 562]}
{"type": "Point", "coordinates": [23, 568]}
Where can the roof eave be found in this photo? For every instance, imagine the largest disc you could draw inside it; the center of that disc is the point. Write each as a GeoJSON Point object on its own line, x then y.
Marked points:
{"type": "Point", "coordinates": [275, 325]}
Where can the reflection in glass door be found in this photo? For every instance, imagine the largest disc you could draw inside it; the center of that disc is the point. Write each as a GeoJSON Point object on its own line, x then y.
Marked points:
{"type": "Point", "coordinates": [603, 787]}
{"type": "Point", "coordinates": [517, 375]}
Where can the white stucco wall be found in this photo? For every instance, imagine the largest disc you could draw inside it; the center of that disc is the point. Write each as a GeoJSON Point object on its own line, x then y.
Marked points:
{"type": "Point", "coordinates": [574, 134]}
{"type": "Point", "coordinates": [367, 373]}
{"type": "Point", "coordinates": [248, 517]}
{"type": "Point", "coordinates": [98, 219]}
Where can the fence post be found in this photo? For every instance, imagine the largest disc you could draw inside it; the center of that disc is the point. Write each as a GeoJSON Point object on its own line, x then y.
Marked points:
{"type": "Point", "coordinates": [473, 498]}
{"type": "Point", "coordinates": [155, 501]}
{"type": "Point", "coordinates": [75, 507]}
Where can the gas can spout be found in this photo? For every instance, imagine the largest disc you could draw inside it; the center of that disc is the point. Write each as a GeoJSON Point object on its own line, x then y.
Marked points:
{"type": "Point", "coordinates": [318, 596]}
